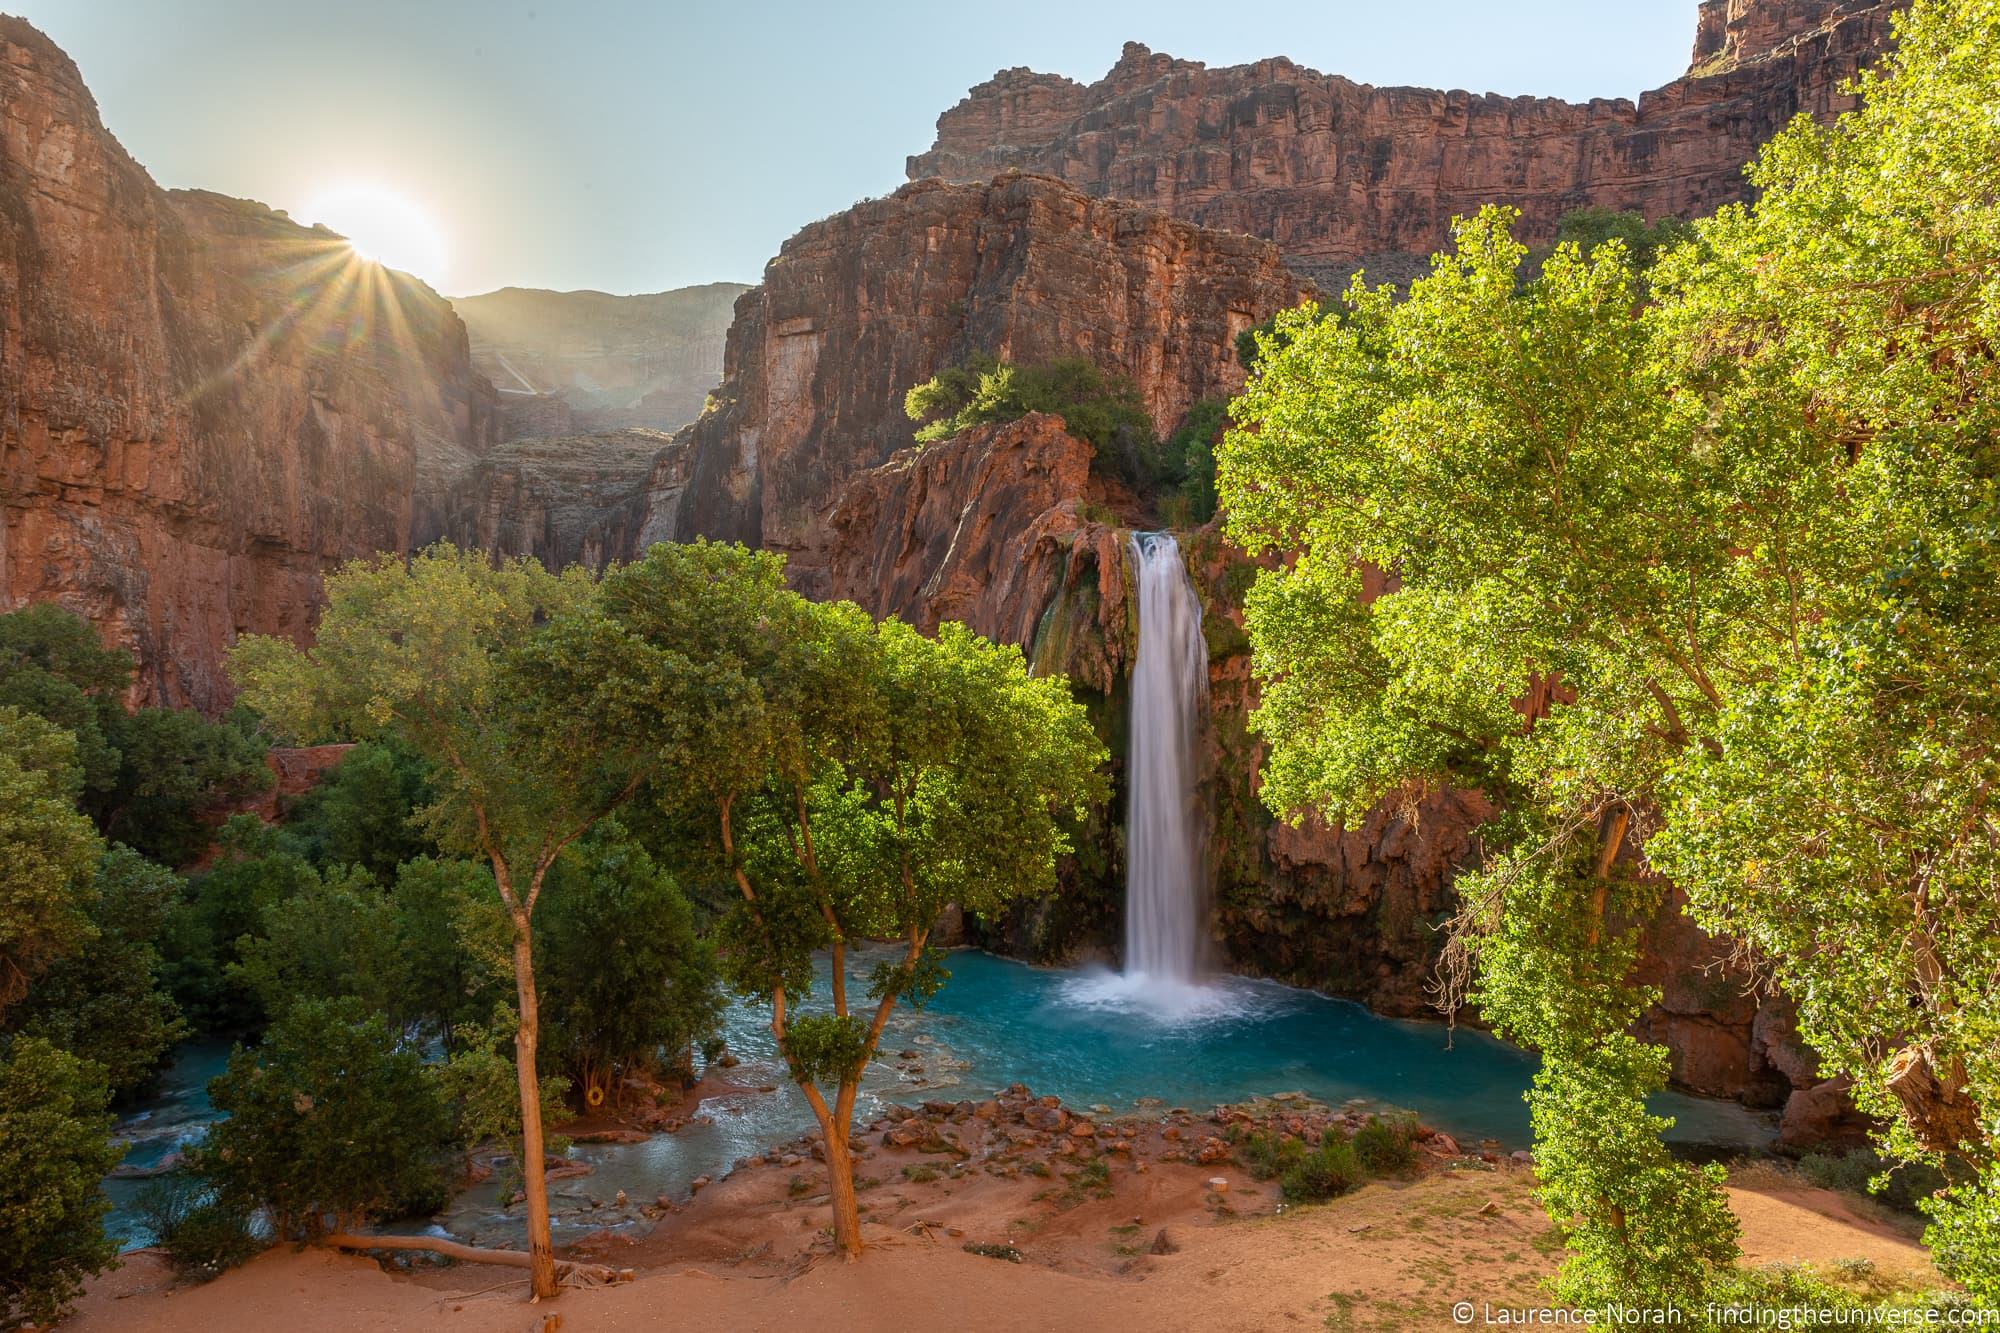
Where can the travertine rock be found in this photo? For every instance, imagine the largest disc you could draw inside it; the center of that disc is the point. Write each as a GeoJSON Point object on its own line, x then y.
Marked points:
{"type": "Point", "coordinates": [1341, 174]}
{"type": "Point", "coordinates": [201, 404]}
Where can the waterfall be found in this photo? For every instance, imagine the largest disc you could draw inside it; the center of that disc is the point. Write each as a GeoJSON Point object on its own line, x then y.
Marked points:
{"type": "Point", "coordinates": [1165, 837]}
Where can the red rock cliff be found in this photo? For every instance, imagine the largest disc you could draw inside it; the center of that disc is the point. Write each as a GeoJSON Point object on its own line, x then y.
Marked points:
{"type": "Point", "coordinates": [859, 307]}
{"type": "Point", "coordinates": [1339, 173]}
{"type": "Point", "coordinates": [201, 404]}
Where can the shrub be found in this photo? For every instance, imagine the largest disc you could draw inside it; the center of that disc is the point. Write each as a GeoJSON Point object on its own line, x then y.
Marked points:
{"type": "Point", "coordinates": [1266, 1156]}
{"type": "Point", "coordinates": [55, 1145]}
{"type": "Point", "coordinates": [1325, 1172]}
{"type": "Point", "coordinates": [1387, 1147]}
{"type": "Point", "coordinates": [1188, 465]}
{"type": "Point", "coordinates": [327, 1120]}
{"type": "Point", "coordinates": [201, 1234]}
{"type": "Point", "coordinates": [1905, 1187]}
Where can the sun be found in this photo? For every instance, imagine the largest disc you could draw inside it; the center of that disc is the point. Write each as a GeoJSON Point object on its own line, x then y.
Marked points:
{"type": "Point", "coordinates": [383, 226]}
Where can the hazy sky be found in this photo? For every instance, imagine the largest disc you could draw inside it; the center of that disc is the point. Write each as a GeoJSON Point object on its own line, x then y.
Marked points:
{"type": "Point", "coordinates": [635, 147]}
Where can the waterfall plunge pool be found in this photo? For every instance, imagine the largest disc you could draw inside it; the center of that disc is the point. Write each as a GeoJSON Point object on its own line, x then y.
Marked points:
{"type": "Point", "coordinates": [1087, 1035]}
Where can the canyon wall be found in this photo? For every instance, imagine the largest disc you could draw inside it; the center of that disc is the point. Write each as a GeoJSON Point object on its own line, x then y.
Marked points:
{"type": "Point", "coordinates": [861, 306]}
{"type": "Point", "coordinates": [563, 499]}
{"type": "Point", "coordinates": [1343, 175]}
{"type": "Point", "coordinates": [202, 404]}
{"type": "Point", "coordinates": [614, 362]}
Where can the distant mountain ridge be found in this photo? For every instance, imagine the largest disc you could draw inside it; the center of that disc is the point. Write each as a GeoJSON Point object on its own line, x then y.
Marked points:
{"type": "Point", "coordinates": [615, 362]}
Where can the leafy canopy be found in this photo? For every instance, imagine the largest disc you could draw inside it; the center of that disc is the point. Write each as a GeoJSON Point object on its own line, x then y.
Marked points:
{"type": "Point", "coordinates": [1712, 571]}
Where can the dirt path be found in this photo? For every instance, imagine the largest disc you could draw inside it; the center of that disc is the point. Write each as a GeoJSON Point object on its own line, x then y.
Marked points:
{"type": "Point", "coordinates": [1389, 1256]}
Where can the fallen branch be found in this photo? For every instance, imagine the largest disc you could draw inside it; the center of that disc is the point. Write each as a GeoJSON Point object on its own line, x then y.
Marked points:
{"type": "Point", "coordinates": [569, 1269]}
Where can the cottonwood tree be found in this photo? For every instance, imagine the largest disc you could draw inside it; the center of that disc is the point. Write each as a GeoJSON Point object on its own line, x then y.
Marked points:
{"type": "Point", "coordinates": [48, 851]}
{"type": "Point", "coordinates": [848, 781]}
{"type": "Point", "coordinates": [1697, 586]}
{"type": "Point", "coordinates": [450, 654]}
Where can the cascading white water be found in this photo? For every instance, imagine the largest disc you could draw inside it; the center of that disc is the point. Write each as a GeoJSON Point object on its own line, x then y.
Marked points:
{"type": "Point", "coordinates": [1165, 834]}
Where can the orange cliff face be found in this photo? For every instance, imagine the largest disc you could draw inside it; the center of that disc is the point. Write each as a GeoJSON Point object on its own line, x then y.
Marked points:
{"type": "Point", "coordinates": [858, 308]}
{"type": "Point", "coordinates": [202, 404]}
{"type": "Point", "coordinates": [1342, 175]}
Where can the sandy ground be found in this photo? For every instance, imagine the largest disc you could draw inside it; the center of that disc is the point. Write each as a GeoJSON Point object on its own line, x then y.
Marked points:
{"type": "Point", "coordinates": [748, 1255]}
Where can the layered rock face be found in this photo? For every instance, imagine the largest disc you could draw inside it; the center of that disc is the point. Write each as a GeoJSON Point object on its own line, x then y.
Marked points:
{"type": "Point", "coordinates": [614, 361]}
{"type": "Point", "coordinates": [565, 500]}
{"type": "Point", "coordinates": [858, 308]}
{"type": "Point", "coordinates": [202, 404]}
{"type": "Point", "coordinates": [1341, 174]}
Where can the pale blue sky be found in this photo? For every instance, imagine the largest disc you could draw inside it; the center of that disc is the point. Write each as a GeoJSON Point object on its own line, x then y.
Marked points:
{"type": "Point", "coordinates": [634, 147]}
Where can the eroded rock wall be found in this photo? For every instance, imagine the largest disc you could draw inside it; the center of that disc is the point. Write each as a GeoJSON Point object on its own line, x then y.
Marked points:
{"type": "Point", "coordinates": [202, 405]}
{"type": "Point", "coordinates": [1342, 174]}
{"type": "Point", "coordinates": [858, 308]}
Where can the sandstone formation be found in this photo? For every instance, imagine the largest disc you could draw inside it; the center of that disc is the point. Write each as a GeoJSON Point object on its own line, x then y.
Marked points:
{"type": "Point", "coordinates": [202, 404]}
{"type": "Point", "coordinates": [861, 306]}
{"type": "Point", "coordinates": [611, 361]}
{"type": "Point", "coordinates": [1342, 174]}
{"type": "Point", "coordinates": [989, 529]}
{"type": "Point", "coordinates": [565, 500]}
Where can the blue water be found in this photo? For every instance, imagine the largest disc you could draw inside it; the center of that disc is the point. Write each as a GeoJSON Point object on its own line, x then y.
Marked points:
{"type": "Point", "coordinates": [1085, 1035]}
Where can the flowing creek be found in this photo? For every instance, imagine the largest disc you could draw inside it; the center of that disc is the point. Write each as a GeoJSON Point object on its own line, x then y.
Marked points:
{"type": "Point", "coordinates": [1077, 1033]}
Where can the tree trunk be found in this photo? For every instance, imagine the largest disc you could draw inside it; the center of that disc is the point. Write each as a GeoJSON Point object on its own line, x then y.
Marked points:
{"type": "Point", "coordinates": [846, 1208]}
{"type": "Point", "coordinates": [534, 1182]}
{"type": "Point", "coordinates": [470, 1254]}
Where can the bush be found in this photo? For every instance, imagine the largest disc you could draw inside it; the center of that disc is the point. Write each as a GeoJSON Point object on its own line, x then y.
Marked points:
{"type": "Point", "coordinates": [327, 1120]}
{"type": "Point", "coordinates": [1326, 1172]}
{"type": "Point", "coordinates": [55, 1146]}
{"type": "Point", "coordinates": [1855, 1172]}
{"type": "Point", "coordinates": [201, 1234]}
{"type": "Point", "coordinates": [1267, 1156]}
{"type": "Point", "coordinates": [1387, 1147]}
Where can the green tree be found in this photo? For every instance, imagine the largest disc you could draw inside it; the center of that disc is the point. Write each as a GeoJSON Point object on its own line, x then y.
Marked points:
{"type": "Point", "coordinates": [329, 1123]}
{"type": "Point", "coordinates": [48, 851]}
{"type": "Point", "coordinates": [627, 984]}
{"type": "Point", "coordinates": [445, 652]}
{"type": "Point", "coordinates": [365, 811]}
{"type": "Point", "coordinates": [456, 948]}
{"type": "Point", "coordinates": [1188, 464]}
{"type": "Point", "coordinates": [108, 1003]}
{"type": "Point", "coordinates": [334, 936]}
{"type": "Point", "coordinates": [55, 1146]}
{"type": "Point", "coordinates": [222, 910]}
{"type": "Point", "coordinates": [850, 780]}
{"type": "Point", "coordinates": [1695, 587]}
{"type": "Point", "coordinates": [173, 765]}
